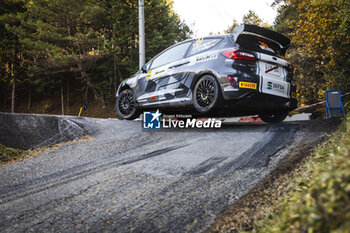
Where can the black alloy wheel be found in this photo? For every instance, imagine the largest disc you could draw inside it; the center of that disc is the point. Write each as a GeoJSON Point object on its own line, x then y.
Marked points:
{"type": "Point", "coordinates": [125, 105]}
{"type": "Point", "coordinates": [206, 94]}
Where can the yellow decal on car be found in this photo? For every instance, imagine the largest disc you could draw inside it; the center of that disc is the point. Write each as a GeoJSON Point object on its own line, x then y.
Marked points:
{"type": "Point", "coordinates": [247, 85]}
{"type": "Point", "coordinates": [149, 74]}
{"type": "Point", "coordinates": [198, 42]}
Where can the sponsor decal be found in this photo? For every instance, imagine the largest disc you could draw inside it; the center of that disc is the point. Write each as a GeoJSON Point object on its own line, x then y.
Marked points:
{"type": "Point", "coordinates": [152, 98]}
{"type": "Point", "coordinates": [200, 46]}
{"type": "Point", "coordinates": [149, 74]}
{"type": "Point", "coordinates": [156, 73]}
{"type": "Point", "coordinates": [198, 42]}
{"type": "Point", "coordinates": [208, 57]}
{"type": "Point", "coordinates": [269, 85]}
{"type": "Point", "coordinates": [152, 120]}
{"type": "Point", "coordinates": [275, 86]}
{"type": "Point", "coordinates": [161, 97]}
{"type": "Point", "coordinates": [263, 44]}
{"type": "Point", "coordinates": [248, 85]}
{"type": "Point", "coordinates": [159, 72]}
{"type": "Point", "coordinates": [271, 69]}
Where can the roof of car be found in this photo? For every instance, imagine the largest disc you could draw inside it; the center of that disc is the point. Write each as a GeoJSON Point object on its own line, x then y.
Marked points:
{"type": "Point", "coordinates": [204, 37]}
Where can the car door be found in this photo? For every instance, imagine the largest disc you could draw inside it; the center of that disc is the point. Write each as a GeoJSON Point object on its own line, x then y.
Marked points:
{"type": "Point", "coordinates": [163, 75]}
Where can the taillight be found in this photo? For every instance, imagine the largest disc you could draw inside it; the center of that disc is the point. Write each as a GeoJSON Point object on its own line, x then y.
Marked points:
{"type": "Point", "coordinates": [236, 54]}
{"type": "Point", "coordinates": [290, 68]}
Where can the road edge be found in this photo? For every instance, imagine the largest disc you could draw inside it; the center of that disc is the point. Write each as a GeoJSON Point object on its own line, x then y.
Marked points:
{"type": "Point", "coordinates": [242, 214]}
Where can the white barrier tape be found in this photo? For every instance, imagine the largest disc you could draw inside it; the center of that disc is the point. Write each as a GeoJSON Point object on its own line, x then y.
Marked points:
{"type": "Point", "coordinates": [321, 102]}
{"type": "Point", "coordinates": [297, 109]}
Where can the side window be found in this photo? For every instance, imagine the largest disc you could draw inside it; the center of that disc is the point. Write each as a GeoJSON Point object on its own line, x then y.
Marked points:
{"type": "Point", "coordinates": [170, 55]}
{"type": "Point", "coordinates": [200, 45]}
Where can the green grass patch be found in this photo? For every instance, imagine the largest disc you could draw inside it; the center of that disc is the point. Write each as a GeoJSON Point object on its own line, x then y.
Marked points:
{"type": "Point", "coordinates": [9, 154]}
{"type": "Point", "coordinates": [317, 198]}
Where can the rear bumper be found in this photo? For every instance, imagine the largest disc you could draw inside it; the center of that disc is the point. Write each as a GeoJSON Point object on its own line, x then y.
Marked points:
{"type": "Point", "coordinates": [251, 93]}
{"type": "Point", "coordinates": [253, 101]}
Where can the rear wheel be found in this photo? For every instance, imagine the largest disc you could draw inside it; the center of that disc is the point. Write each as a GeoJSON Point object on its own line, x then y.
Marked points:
{"type": "Point", "coordinates": [274, 117]}
{"type": "Point", "coordinates": [206, 94]}
{"type": "Point", "coordinates": [125, 105]}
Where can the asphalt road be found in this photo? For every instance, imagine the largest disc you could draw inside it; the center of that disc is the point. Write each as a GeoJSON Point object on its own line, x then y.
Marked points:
{"type": "Point", "coordinates": [131, 180]}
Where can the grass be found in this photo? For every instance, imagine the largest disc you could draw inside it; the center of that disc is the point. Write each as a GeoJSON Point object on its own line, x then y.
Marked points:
{"type": "Point", "coordinates": [317, 196]}
{"type": "Point", "coordinates": [9, 154]}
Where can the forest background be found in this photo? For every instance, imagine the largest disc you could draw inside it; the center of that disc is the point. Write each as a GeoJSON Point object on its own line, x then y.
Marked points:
{"type": "Point", "coordinates": [58, 55]}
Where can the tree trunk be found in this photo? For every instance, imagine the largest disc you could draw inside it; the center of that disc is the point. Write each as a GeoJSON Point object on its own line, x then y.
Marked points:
{"type": "Point", "coordinates": [13, 89]}
{"type": "Point", "coordinates": [120, 77]}
{"type": "Point", "coordinates": [62, 97]}
{"type": "Point", "coordinates": [29, 95]}
{"type": "Point", "coordinates": [115, 76]}
{"type": "Point", "coordinates": [67, 94]}
{"type": "Point", "coordinates": [5, 99]}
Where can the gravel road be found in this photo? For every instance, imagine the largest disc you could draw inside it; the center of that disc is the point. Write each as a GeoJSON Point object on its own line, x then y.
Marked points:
{"type": "Point", "coordinates": [127, 179]}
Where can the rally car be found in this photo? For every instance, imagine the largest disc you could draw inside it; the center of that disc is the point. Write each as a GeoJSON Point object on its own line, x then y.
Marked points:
{"type": "Point", "coordinates": [242, 73]}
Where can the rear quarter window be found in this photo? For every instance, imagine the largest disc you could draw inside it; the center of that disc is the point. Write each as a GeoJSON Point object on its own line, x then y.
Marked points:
{"type": "Point", "coordinates": [175, 53]}
{"type": "Point", "coordinates": [200, 45]}
{"type": "Point", "coordinates": [259, 44]}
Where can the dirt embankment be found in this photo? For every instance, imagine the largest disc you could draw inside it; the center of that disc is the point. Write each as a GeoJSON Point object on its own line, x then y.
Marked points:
{"type": "Point", "coordinates": [23, 131]}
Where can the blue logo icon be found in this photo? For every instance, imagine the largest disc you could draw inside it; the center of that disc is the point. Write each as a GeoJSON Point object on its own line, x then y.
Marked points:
{"type": "Point", "coordinates": [151, 120]}
{"type": "Point", "coordinates": [269, 85]}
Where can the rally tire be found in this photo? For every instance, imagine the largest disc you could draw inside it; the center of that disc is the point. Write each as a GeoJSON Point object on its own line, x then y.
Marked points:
{"type": "Point", "coordinates": [274, 118]}
{"type": "Point", "coordinates": [126, 105]}
{"type": "Point", "coordinates": [206, 94]}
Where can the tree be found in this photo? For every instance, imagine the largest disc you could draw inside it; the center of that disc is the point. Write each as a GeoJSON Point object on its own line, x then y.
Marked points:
{"type": "Point", "coordinates": [286, 12]}
{"type": "Point", "coordinates": [95, 40]}
{"type": "Point", "coordinates": [230, 28]}
{"type": "Point", "coordinates": [252, 18]}
{"type": "Point", "coordinates": [59, 37]}
{"type": "Point", "coordinates": [320, 44]}
{"type": "Point", "coordinates": [162, 28]}
{"type": "Point", "coordinates": [9, 47]}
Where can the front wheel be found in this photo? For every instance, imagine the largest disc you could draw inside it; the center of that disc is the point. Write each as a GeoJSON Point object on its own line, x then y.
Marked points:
{"type": "Point", "coordinates": [125, 105]}
{"type": "Point", "coordinates": [206, 94]}
{"type": "Point", "coordinates": [274, 117]}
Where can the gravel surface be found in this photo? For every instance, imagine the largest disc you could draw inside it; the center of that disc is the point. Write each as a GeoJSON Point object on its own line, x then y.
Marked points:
{"type": "Point", "coordinates": [127, 179]}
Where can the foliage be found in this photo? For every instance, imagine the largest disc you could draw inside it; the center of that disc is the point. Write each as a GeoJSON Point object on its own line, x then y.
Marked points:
{"type": "Point", "coordinates": [286, 12]}
{"type": "Point", "coordinates": [252, 18]}
{"type": "Point", "coordinates": [9, 44]}
{"type": "Point", "coordinates": [320, 44]}
{"type": "Point", "coordinates": [8, 154]}
{"type": "Point", "coordinates": [230, 28]}
{"type": "Point", "coordinates": [249, 18]}
{"type": "Point", "coordinates": [93, 40]}
{"type": "Point", "coordinates": [320, 203]}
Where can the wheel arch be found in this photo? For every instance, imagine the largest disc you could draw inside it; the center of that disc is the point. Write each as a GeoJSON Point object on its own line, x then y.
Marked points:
{"type": "Point", "coordinates": [122, 87]}
{"type": "Point", "coordinates": [200, 75]}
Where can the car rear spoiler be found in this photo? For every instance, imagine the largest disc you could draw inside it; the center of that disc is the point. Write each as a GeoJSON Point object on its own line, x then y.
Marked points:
{"type": "Point", "coordinates": [272, 35]}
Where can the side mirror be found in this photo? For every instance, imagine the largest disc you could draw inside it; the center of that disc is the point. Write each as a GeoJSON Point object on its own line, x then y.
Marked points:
{"type": "Point", "coordinates": [144, 69]}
